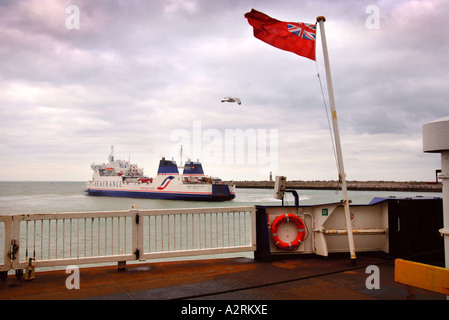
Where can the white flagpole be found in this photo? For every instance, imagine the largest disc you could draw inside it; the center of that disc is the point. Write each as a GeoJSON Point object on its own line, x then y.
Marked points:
{"type": "Point", "coordinates": [341, 169]}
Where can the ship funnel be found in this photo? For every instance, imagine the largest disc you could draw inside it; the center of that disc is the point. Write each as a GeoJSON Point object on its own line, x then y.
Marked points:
{"type": "Point", "coordinates": [193, 169]}
{"type": "Point", "coordinates": [167, 167]}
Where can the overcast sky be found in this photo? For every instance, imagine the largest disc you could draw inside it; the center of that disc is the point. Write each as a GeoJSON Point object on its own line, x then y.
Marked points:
{"type": "Point", "coordinates": [148, 76]}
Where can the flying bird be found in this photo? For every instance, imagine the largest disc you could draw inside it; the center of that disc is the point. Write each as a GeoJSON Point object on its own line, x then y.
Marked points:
{"type": "Point", "coordinates": [229, 99]}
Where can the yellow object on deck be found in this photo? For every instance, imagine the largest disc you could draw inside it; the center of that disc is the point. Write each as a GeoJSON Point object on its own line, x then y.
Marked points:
{"type": "Point", "coordinates": [422, 276]}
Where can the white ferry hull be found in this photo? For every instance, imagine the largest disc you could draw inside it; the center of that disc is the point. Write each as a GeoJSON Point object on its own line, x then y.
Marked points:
{"type": "Point", "coordinates": [210, 192]}
{"type": "Point", "coordinates": [120, 178]}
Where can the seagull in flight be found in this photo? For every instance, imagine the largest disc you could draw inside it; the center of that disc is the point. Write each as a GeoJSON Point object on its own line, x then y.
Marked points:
{"type": "Point", "coordinates": [229, 99]}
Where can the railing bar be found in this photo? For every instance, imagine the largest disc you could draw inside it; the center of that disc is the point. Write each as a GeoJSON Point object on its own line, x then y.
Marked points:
{"type": "Point", "coordinates": [118, 236]}
{"type": "Point", "coordinates": [78, 238]}
{"type": "Point", "coordinates": [236, 228]}
{"type": "Point", "coordinates": [34, 239]}
{"type": "Point", "coordinates": [56, 239]}
{"type": "Point", "coordinates": [162, 233]}
{"type": "Point", "coordinates": [26, 242]}
{"type": "Point", "coordinates": [242, 231]}
{"type": "Point", "coordinates": [92, 236]}
{"type": "Point", "coordinates": [186, 232]}
{"type": "Point", "coordinates": [206, 233]}
{"type": "Point", "coordinates": [150, 234]}
{"type": "Point", "coordinates": [212, 215]}
{"type": "Point", "coordinates": [155, 233]}
{"type": "Point", "coordinates": [229, 229]}
{"type": "Point", "coordinates": [238, 219]}
{"type": "Point", "coordinates": [63, 238]}
{"type": "Point", "coordinates": [174, 232]}
{"type": "Point", "coordinates": [70, 256]}
{"type": "Point", "coordinates": [210, 230]}
{"type": "Point", "coordinates": [179, 243]}
{"type": "Point", "coordinates": [222, 230]}
{"type": "Point", "coordinates": [244, 226]}
{"type": "Point", "coordinates": [168, 233]}
{"type": "Point", "coordinates": [199, 231]}
{"type": "Point", "coordinates": [99, 236]}
{"type": "Point", "coordinates": [233, 226]}
{"type": "Point", "coordinates": [122, 240]}
{"type": "Point", "coordinates": [180, 232]}
{"type": "Point", "coordinates": [216, 229]}
{"type": "Point", "coordinates": [204, 230]}
{"type": "Point", "coordinates": [193, 231]}
{"type": "Point", "coordinates": [125, 247]}
{"type": "Point", "coordinates": [85, 237]}
{"type": "Point", "coordinates": [112, 235]}
{"type": "Point", "coordinates": [49, 238]}
{"type": "Point", "coordinates": [105, 236]}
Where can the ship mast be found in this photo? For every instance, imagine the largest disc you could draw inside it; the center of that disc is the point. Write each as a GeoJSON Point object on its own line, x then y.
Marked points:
{"type": "Point", "coordinates": [180, 158]}
{"type": "Point", "coordinates": [341, 170]}
{"type": "Point", "coordinates": [111, 156]}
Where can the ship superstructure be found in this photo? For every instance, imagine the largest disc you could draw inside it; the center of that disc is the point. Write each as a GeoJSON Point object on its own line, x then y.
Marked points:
{"type": "Point", "coordinates": [121, 178]}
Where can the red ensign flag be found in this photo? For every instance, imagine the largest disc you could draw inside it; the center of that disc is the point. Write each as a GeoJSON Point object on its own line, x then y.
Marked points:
{"type": "Point", "coordinates": [296, 37]}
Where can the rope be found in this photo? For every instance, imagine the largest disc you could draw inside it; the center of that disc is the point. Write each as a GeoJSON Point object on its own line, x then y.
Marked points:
{"type": "Point", "coordinates": [327, 116]}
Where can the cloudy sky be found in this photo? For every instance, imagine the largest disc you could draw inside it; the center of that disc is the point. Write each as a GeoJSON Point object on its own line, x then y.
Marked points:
{"type": "Point", "coordinates": [148, 76]}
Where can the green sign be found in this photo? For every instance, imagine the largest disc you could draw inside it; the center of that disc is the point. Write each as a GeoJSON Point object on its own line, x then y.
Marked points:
{"type": "Point", "coordinates": [325, 212]}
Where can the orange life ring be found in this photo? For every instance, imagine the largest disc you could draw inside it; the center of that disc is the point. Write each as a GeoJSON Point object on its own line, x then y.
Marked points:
{"type": "Point", "coordinates": [288, 217]}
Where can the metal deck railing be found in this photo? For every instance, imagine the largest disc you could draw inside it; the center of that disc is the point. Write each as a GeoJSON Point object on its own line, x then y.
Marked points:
{"type": "Point", "coordinates": [58, 239]}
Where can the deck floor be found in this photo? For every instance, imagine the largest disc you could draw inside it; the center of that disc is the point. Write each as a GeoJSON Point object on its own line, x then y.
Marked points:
{"type": "Point", "coordinates": [287, 278]}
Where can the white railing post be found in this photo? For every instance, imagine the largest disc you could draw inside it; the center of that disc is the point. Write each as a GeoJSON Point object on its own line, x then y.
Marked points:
{"type": "Point", "coordinates": [15, 241]}
{"type": "Point", "coordinates": [5, 263]}
{"type": "Point", "coordinates": [137, 233]}
{"type": "Point", "coordinates": [252, 227]}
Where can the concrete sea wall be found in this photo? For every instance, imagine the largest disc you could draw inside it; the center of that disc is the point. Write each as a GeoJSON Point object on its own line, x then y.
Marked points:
{"type": "Point", "coordinates": [412, 186]}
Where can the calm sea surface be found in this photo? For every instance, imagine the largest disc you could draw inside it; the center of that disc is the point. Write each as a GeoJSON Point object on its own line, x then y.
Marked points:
{"type": "Point", "coordinates": [45, 197]}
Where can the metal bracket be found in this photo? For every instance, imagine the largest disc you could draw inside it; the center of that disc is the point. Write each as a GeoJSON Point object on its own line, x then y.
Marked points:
{"type": "Point", "coordinates": [30, 270]}
{"type": "Point", "coordinates": [14, 249]}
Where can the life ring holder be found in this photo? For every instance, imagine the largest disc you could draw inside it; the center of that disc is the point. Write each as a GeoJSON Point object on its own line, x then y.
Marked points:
{"type": "Point", "coordinates": [288, 217]}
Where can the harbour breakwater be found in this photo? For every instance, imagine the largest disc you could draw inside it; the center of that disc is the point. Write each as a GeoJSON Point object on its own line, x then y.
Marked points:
{"type": "Point", "coordinates": [412, 186]}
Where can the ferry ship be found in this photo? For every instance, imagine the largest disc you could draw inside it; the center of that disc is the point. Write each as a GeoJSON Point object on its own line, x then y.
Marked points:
{"type": "Point", "coordinates": [120, 178]}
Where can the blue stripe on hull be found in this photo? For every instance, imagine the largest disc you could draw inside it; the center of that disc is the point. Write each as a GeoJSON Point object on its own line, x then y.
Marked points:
{"type": "Point", "coordinates": [160, 195]}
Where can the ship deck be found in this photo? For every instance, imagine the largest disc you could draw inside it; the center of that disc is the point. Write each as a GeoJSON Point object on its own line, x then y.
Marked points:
{"type": "Point", "coordinates": [305, 277]}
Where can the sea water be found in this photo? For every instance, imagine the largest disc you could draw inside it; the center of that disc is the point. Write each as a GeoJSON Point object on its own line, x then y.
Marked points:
{"type": "Point", "coordinates": [53, 197]}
